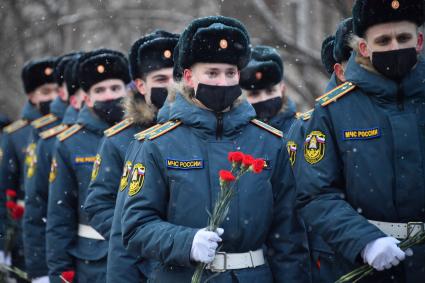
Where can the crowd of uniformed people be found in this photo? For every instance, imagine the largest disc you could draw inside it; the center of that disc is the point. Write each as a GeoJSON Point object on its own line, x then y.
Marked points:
{"type": "Point", "coordinates": [111, 170]}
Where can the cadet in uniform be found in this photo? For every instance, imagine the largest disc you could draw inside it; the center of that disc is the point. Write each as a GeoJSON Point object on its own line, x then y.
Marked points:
{"type": "Point", "coordinates": [36, 185]}
{"type": "Point", "coordinates": [39, 85]}
{"type": "Point", "coordinates": [72, 244]}
{"type": "Point", "coordinates": [151, 65]}
{"type": "Point", "coordinates": [263, 83]}
{"type": "Point", "coordinates": [166, 207]}
{"type": "Point", "coordinates": [335, 59]}
{"type": "Point", "coordinates": [360, 182]}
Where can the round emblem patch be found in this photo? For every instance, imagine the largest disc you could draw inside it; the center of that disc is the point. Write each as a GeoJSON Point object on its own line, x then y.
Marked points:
{"type": "Point", "coordinates": [137, 179]}
{"type": "Point", "coordinates": [314, 147]}
{"type": "Point", "coordinates": [291, 146]}
{"type": "Point", "coordinates": [124, 177]}
{"type": "Point", "coordinates": [96, 166]}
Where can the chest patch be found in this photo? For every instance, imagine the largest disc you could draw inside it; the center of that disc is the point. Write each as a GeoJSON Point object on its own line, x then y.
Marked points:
{"type": "Point", "coordinates": [79, 160]}
{"type": "Point", "coordinates": [185, 164]}
{"type": "Point", "coordinates": [361, 134]}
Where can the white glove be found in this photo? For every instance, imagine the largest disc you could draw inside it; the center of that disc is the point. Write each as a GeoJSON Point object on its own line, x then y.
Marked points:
{"type": "Point", "coordinates": [44, 279]}
{"type": "Point", "coordinates": [5, 259]}
{"type": "Point", "coordinates": [383, 253]}
{"type": "Point", "coordinates": [204, 245]}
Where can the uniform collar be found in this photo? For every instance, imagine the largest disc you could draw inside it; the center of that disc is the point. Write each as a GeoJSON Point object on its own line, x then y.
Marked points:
{"type": "Point", "coordinates": [30, 112]}
{"type": "Point", "coordinates": [58, 107]}
{"type": "Point", "coordinates": [90, 121]}
{"type": "Point", "coordinates": [70, 116]}
{"type": "Point", "coordinates": [206, 121]}
{"type": "Point", "coordinates": [381, 87]}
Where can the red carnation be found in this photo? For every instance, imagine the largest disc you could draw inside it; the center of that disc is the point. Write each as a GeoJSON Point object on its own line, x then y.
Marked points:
{"type": "Point", "coordinates": [11, 193]}
{"type": "Point", "coordinates": [10, 204]}
{"type": "Point", "coordinates": [226, 176]}
{"type": "Point", "coordinates": [248, 160]}
{"type": "Point", "coordinates": [258, 165]}
{"type": "Point", "coordinates": [236, 156]}
{"type": "Point", "coordinates": [17, 212]}
{"type": "Point", "coordinates": [68, 276]}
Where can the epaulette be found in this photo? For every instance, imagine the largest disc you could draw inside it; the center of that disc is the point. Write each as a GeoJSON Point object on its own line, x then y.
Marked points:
{"type": "Point", "coordinates": [142, 135]}
{"type": "Point", "coordinates": [69, 132]}
{"type": "Point", "coordinates": [335, 93]}
{"type": "Point", "coordinates": [124, 124]}
{"type": "Point", "coordinates": [165, 128]}
{"type": "Point", "coordinates": [44, 121]}
{"type": "Point", "coordinates": [267, 127]}
{"type": "Point", "coordinates": [15, 126]}
{"type": "Point", "coordinates": [305, 116]}
{"type": "Point", "coordinates": [53, 131]}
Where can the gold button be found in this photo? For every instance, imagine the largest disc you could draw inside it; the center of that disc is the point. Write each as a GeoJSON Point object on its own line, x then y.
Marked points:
{"type": "Point", "coordinates": [167, 54]}
{"type": "Point", "coordinates": [395, 4]}
{"type": "Point", "coordinates": [258, 75]}
{"type": "Point", "coordinates": [48, 71]}
{"type": "Point", "coordinates": [223, 44]}
{"type": "Point", "coordinates": [101, 69]}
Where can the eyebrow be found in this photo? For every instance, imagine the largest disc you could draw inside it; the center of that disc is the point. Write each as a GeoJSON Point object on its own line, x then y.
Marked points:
{"type": "Point", "coordinates": [160, 77]}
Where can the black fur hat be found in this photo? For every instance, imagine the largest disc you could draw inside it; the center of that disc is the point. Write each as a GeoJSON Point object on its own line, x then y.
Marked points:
{"type": "Point", "coordinates": [100, 65]}
{"type": "Point", "coordinates": [71, 74]}
{"type": "Point", "coordinates": [60, 67]}
{"type": "Point", "coordinates": [328, 60]}
{"type": "Point", "coordinates": [342, 49]}
{"type": "Point", "coordinates": [152, 52]}
{"type": "Point", "coordinates": [367, 13]}
{"type": "Point", "coordinates": [214, 39]}
{"type": "Point", "coordinates": [265, 69]}
{"type": "Point", "coordinates": [37, 73]}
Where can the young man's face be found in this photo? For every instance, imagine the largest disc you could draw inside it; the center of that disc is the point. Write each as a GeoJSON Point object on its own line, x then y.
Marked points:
{"type": "Point", "coordinates": [161, 78]}
{"type": "Point", "coordinates": [44, 93]}
{"type": "Point", "coordinates": [391, 36]}
{"type": "Point", "coordinates": [217, 74]}
{"type": "Point", "coordinates": [105, 90]}
{"type": "Point", "coordinates": [255, 96]}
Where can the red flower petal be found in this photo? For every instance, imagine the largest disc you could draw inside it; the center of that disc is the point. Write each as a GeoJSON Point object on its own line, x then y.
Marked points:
{"type": "Point", "coordinates": [17, 212]}
{"type": "Point", "coordinates": [11, 193]}
{"type": "Point", "coordinates": [236, 156]}
{"type": "Point", "coordinates": [258, 165]}
{"type": "Point", "coordinates": [10, 204]}
{"type": "Point", "coordinates": [247, 160]}
{"type": "Point", "coordinates": [226, 176]}
{"type": "Point", "coordinates": [68, 275]}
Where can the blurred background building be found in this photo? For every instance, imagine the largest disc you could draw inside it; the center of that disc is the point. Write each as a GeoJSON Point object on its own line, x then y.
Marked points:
{"type": "Point", "coordinates": [39, 28]}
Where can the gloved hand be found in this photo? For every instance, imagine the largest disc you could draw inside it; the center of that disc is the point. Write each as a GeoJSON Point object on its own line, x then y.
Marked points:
{"type": "Point", "coordinates": [44, 279]}
{"type": "Point", "coordinates": [4, 259]}
{"type": "Point", "coordinates": [204, 245]}
{"type": "Point", "coordinates": [383, 253]}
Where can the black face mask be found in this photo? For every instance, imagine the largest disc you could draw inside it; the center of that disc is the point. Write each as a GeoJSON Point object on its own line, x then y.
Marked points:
{"type": "Point", "coordinates": [267, 109]}
{"type": "Point", "coordinates": [110, 111]}
{"type": "Point", "coordinates": [217, 98]}
{"type": "Point", "coordinates": [44, 107]}
{"type": "Point", "coordinates": [158, 96]}
{"type": "Point", "coordinates": [395, 64]}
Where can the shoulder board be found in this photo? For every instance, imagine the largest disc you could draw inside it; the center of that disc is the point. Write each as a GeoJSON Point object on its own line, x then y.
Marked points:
{"type": "Point", "coordinates": [53, 131]}
{"type": "Point", "coordinates": [165, 128]}
{"type": "Point", "coordinates": [124, 124]}
{"type": "Point", "coordinates": [15, 126]}
{"type": "Point", "coordinates": [69, 132]}
{"type": "Point", "coordinates": [336, 93]}
{"type": "Point", "coordinates": [267, 127]}
{"type": "Point", "coordinates": [306, 115]}
{"type": "Point", "coordinates": [44, 121]}
{"type": "Point", "coordinates": [142, 135]}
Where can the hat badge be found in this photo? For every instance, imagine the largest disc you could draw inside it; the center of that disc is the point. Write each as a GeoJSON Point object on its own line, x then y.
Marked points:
{"type": "Point", "coordinates": [223, 43]}
{"type": "Point", "coordinates": [167, 54]}
{"type": "Point", "coordinates": [48, 71]}
{"type": "Point", "coordinates": [258, 76]}
{"type": "Point", "coordinates": [395, 4]}
{"type": "Point", "coordinates": [100, 69]}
